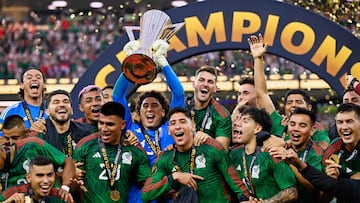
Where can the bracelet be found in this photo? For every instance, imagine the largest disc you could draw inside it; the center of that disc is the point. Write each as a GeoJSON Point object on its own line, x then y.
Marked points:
{"type": "Point", "coordinates": [66, 188]}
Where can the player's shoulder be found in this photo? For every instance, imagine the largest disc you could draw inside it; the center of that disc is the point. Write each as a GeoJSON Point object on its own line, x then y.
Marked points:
{"type": "Point", "coordinates": [11, 110]}
{"type": "Point", "coordinates": [88, 139]}
{"type": "Point", "coordinates": [212, 143]}
{"type": "Point", "coordinates": [220, 109]}
{"type": "Point", "coordinates": [29, 140]}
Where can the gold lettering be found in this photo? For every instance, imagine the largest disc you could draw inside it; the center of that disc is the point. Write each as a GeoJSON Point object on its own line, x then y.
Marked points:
{"type": "Point", "coordinates": [270, 29]}
{"type": "Point", "coordinates": [100, 79]}
{"type": "Point", "coordinates": [239, 29]}
{"type": "Point", "coordinates": [334, 61]}
{"type": "Point", "coordinates": [355, 70]}
{"type": "Point", "coordinates": [287, 36]}
{"type": "Point", "coordinates": [176, 44]}
{"type": "Point", "coordinates": [194, 28]}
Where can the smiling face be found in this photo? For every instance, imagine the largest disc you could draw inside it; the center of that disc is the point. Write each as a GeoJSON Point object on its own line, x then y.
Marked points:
{"type": "Point", "coordinates": [348, 127]}
{"type": "Point", "coordinates": [90, 105]}
{"type": "Point", "coordinates": [32, 84]}
{"type": "Point", "coordinates": [293, 101]}
{"type": "Point", "coordinates": [107, 94]}
{"type": "Point", "coordinates": [300, 130]}
{"type": "Point", "coordinates": [110, 128]}
{"type": "Point", "coordinates": [204, 86]}
{"type": "Point", "coordinates": [151, 112]}
{"type": "Point", "coordinates": [42, 179]}
{"type": "Point", "coordinates": [182, 130]}
{"type": "Point", "coordinates": [59, 108]}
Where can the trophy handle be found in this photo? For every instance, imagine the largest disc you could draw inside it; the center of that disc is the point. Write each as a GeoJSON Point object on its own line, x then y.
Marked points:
{"type": "Point", "coordinates": [130, 33]}
{"type": "Point", "coordinates": [171, 30]}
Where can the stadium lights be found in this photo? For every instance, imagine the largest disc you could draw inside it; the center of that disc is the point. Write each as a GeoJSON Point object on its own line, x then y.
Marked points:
{"type": "Point", "coordinates": [178, 3]}
{"type": "Point", "coordinates": [96, 4]}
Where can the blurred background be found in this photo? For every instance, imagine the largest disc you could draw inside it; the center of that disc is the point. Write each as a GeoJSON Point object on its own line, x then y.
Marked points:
{"type": "Point", "coordinates": [63, 38]}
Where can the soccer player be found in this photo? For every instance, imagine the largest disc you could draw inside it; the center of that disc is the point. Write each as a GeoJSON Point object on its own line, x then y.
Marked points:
{"type": "Point", "coordinates": [14, 159]}
{"type": "Point", "coordinates": [301, 128]}
{"type": "Point", "coordinates": [30, 107]}
{"type": "Point", "coordinates": [40, 186]}
{"type": "Point", "coordinates": [90, 102]}
{"type": "Point", "coordinates": [293, 98]}
{"type": "Point", "coordinates": [205, 168]}
{"type": "Point", "coordinates": [266, 178]}
{"type": "Point", "coordinates": [110, 167]}
{"type": "Point", "coordinates": [107, 93]}
{"type": "Point", "coordinates": [209, 115]}
{"type": "Point", "coordinates": [59, 130]}
{"type": "Point", "coordinates": [346, 147]}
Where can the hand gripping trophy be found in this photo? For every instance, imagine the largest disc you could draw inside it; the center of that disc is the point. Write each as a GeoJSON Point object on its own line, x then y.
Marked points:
{"type": "Point", "coordinates": [139, 66]}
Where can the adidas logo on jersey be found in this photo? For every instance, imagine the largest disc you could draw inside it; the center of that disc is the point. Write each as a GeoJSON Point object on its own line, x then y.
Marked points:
{"type": "Point", "coordinates": [97, 155]}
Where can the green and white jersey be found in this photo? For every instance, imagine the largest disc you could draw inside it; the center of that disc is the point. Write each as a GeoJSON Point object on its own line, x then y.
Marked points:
{"type": "Point", "coordinates": [218, 123]}
{"type": "Point", "coordinates": [268, 176]}
{"type": "Point", "coordinates": [133, 166]}
{"type": "Point", "coordinates": [211, 162]}
{"type": "Point", "coordinates": [25, 150]}
{"type": "Point", "coordinates": [313, 155]}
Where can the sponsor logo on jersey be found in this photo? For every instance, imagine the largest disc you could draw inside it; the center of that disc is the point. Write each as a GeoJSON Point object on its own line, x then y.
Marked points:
{"type": "Point", "coordinates": [26, 165]}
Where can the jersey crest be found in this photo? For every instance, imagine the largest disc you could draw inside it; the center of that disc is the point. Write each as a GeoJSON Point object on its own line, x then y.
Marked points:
{"type": "Point", "coordinates": [126, 158]}
{"type": "Point", "coordinates": [200, 161]}
{"type": "Point", "coordinates": [255, 171]}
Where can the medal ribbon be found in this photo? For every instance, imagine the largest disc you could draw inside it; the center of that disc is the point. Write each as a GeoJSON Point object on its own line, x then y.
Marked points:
{"type": "Point", "coordinates": [154, 147]}
{"type": "Point", "coordinates": [111, 171]}
{"type": "Point", "coordinates": [28, 114]}
{"type": "Point", "coordinates": [69, 145]}
{"type": "Point", "coordinates": [192, 160]}
{"type": "Point", "coordinates": [247, 175]}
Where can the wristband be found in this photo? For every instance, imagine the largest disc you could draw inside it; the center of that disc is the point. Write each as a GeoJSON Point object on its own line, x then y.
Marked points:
{"type": "Point", "coordinates": [66, 188]}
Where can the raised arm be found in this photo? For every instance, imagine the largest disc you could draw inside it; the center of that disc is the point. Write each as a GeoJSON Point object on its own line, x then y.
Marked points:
{"type": "Point", "coordinates": [258, 49]}
{"type": "Point", "coordinates": [159, 48]}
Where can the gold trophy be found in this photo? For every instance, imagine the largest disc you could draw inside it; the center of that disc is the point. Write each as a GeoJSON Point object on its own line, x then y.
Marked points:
{"type": "Point", "coordinates": [139, 67]}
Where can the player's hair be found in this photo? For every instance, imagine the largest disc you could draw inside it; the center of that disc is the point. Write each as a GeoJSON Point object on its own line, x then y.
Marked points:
{"type": "Point", "coordinates": [246, 80]}
{"type": "Point", "coordinates": [348, 107]}
{"type": "Point", "coordinates": [40, 160]}
{"type": "Point", "coordinates": [186, 112]}
{"type": "Point", "coordinates": [298, 91]}
{"type": "Point", "coordinates": [260, 116]}
{"type": "Point", "coordinates": [13, 121]}
{"type": "Point", "coordinates": [56, 92]}
{"type": "Point", "coordinates": [113, 109]}
{"type": "Point", "coordinates": [210, 69]}
{"type": "Point", "coordinates": [303, 111]}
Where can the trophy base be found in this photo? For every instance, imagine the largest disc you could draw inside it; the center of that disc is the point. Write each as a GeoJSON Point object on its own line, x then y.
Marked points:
{"type": "Point", "coordinates": [139, 69]}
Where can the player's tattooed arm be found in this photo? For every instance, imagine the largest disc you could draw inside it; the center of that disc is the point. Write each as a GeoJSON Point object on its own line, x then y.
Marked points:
{"type": "Point", "coordinates": [286, 195]}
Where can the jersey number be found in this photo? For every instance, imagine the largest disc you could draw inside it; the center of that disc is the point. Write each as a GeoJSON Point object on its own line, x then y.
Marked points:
{"type": "Point", "coordinates": [104, 176]}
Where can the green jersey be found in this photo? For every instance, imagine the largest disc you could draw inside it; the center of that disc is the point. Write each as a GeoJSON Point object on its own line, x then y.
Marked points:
{"type": "Point", "coordinates": [133, 166]}
{"type": "Point", "coordinates": [268, 176]}
{"type": "Point", "coordinates": [210, 162]}
{"type": "Point", "coordinates": [349, 161]}
{"type": "Point", "coordinates": [53, 196]}
{"type": "Point", "coordinates": [278, 129]}
{"type": "Point", "coordinates": [25, 150]}
{"type": "Point", "coordinates": [218, 121]}
{"type": "Point", "coordinates": [312, 154]}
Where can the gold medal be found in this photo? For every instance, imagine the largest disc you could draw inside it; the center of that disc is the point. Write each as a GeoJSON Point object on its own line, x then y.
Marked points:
{"type": "Point", "coordinates": [115, 195]}
{"type": "Point", "coordinates": [335, 158]}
